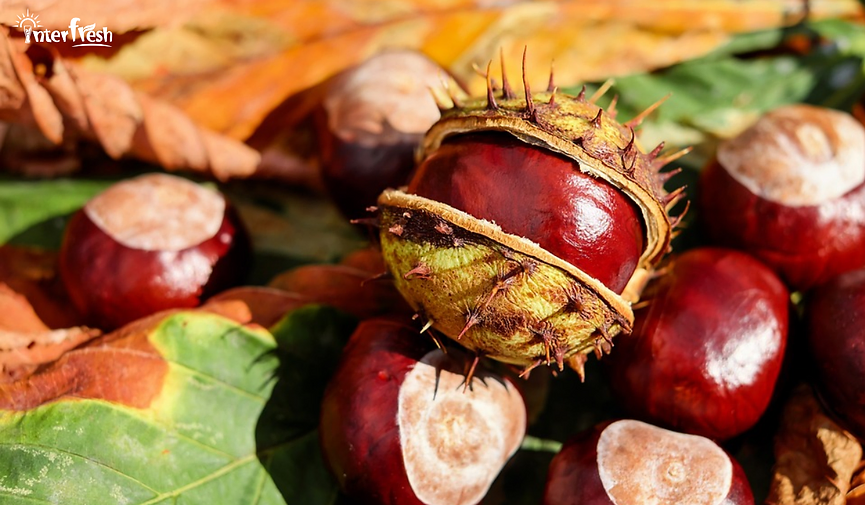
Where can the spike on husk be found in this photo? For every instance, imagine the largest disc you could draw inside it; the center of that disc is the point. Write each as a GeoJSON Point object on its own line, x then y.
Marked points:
{"type": "Point", "coordinates": [611, 109]}
{"type": "Point", "coordinates": [507, 91]}
{"type": "Point", "coordinates": [639, 118]}
{"type": "Point", "coordinates": [596, 122]}
{"type": "Point", "coordinates": [663, 161]}
{"type": "Point", "coordinates": [602, 90]}
{"type": "Point", "coordinates": [491, 99]}
{"type": "Point", "coordinates": [530, 103]}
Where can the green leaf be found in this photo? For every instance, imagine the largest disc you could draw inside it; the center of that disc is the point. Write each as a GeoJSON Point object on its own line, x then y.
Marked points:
{"type": "Point", "coordinates": [290, 228]}
{"type": "Point", "coordinates": [214, 433]}
{"type": "Point", "coordinates": [35, 212]}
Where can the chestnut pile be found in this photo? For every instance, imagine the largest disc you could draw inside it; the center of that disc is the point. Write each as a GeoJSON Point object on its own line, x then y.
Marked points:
{"type": "Point", "coordinates": [528, 232]}
{"type": "Point", "coordinates": [534, 231]}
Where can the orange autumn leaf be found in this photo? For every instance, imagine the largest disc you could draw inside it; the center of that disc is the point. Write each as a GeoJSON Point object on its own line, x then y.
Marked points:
{"type": "Point", "coordinates": [67, 103]}
{"type": "Point", "coordinates": [264, 306]}
{"type": "Point", "coordinates": [29, 276]}
{"type": "Point", "coordinates": [37, 322]}
{"type": "Point", "coordinates": [357, 286]}
{"type": "Point", "coordinates": [301, 44]}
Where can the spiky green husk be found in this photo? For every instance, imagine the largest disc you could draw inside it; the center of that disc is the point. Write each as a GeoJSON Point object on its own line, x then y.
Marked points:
{"type": "Point", "coordinates": [582, 131]}
{"type": "Point", "coordinates": [497, 294]}
{"type": "Point", "coordinates": [504, 296]}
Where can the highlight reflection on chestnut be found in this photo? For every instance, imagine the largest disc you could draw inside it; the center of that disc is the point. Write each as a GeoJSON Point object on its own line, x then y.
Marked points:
{"type": "Point", "coordinates": [791, 191]}
{"type": "Point", "coordinates": [540, 195]}
{"type": "Point", "coordinates": [707, 348]}
{"type": "Point", "coordinates": [148, 244]}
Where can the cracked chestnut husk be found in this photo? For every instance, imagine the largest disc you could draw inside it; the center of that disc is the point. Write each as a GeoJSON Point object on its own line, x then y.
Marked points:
{"type": "Point", "coordinates": [530, 226]}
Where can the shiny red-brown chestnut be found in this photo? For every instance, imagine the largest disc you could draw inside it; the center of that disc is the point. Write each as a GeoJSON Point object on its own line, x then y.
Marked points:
{"type": "Point", "coordinates": [706, 350]}
{"type": "Point", "coordinates": [541, 195]}
{"type": "Point", "coordinates": [398, 427]}
{"type": "Point", "coordinates": [371, 120]}
{"type": "Point", "coordinates": [791, 191]}
{"type": "Point", "coordinates": [151, 243]}
{"type": "Point", "coordinates": [835, 312]}
{"type": "Point", "coordinates": [629, 462]}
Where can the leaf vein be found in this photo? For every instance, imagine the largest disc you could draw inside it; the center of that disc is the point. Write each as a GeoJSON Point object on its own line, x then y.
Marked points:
{"type": "Point", "coordinates": [204, 480]}
{"type": "Point", "coordinates": [199, 373]}
{"type": "Point", "coordinates": [85, 458]}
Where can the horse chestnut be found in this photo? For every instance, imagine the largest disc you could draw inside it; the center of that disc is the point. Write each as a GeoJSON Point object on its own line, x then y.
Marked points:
{"type": "Point", "coordinates": [495, 176]}
{"type": "Point", "coordinates": [399, 426]}
{"type": "Point", "coordinates": [629, 462]}
{"type": "Point", "coordinates": [371, 120]}
{"type": "Point", "coordinates": [151, 243]}
{"type": "Point", "coordinates": [835, 312]}
{"type": "Point", "coordinates": [530, 227]}
{"type": "Point", "coordinates": [791, 191]}
{"type": "Point", "coordinates": [707, 348]}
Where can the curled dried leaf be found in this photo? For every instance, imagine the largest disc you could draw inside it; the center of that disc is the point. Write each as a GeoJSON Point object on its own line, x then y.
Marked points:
{"type": "Point", "coordinates": [121, 366]}
{"type": "Point", "coordinates": [357, 286]}
{"type": "Point", "coordinates": [31, 285]}
{"type": "Point", "coordinates": [814, 457]}
{"type": "Point", "coordinates": [26, 340]}
{"type": "Point", "coordinates": [22, 352]}
{"type": "Point", "coordinates": [66, 103]}
{"type": "Point", "coordinates": [264, 306]}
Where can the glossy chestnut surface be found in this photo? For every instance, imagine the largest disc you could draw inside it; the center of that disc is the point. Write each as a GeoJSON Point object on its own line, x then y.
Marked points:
{"type": "Point", "coordinates": [537, 194]}
{"type": "Point", "coordinates": [355, 175]}
{"type": "Point", "coordinates": [707, 349]}
{"type": "Point", "coordinates": [114, 278]}
{"type": "Point", "coordinates": [793, 194]}
{"type": "Point", "coordinates": [370, 122]}
{"type": "Point", "coordinates": [805, 245]}
{"type": "Point", "coordinates": [398, 428]}
{"type": "Point", "coordinates": [628, 462]}
{"type": "Point", "coordinates": [835, 312]}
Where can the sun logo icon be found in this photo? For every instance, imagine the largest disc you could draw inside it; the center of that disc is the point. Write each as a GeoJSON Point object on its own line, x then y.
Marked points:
{"type": "Point", "coordinates": [28, 21]}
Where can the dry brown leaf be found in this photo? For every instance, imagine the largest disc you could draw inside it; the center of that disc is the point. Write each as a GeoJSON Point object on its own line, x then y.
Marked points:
{"type": "Point", "coordinates": [814, 457]}
{"type": "Point", "coordinates": [587, 40]}
{"type": "Point", "coordinates": [265, 306]}
{"type": "Point", "coordinates": [118, 15]}
{"type": "Point", "coordinates": [67, 103]}
{"type": "Point", "coordinates": [17, 313]}
{"type": "Point", "coordinates": [22, 353]}
{"type": "Point", "coordinates": [31, 274]}
{"type": "Point", "coordinates": [354, 286]}
{"type": "Point", "coordinates": [37, 322]}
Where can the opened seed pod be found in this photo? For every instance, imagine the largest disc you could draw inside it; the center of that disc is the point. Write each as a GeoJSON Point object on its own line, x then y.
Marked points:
{"type": "Point", "coordinates": [530, 227]}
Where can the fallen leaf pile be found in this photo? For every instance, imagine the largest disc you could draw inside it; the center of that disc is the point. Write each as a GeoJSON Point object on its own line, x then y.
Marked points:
{"type": "Point", "coordinates": [68, 104]}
